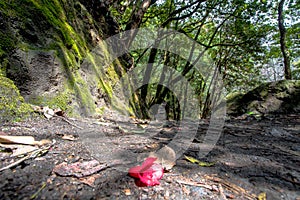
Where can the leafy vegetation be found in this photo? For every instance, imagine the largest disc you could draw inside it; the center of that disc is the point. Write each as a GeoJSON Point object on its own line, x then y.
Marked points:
{"type": "Point", "coordinates": [241, 37]}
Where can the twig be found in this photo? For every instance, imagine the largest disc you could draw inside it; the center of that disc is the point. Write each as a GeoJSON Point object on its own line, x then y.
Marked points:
{"type": "Point", "coordinates": [37, 192]}
{"type": "Point", "coordinates": [33, 154]}
{"type": "Point", "coordinates": [223, 196]}
{"type": "Point", "coordinates": [232, 187]}
{"type": "Point", "coordinates": [196, 184]}
{"type": "Point", "coordinates": [15, 163]}
{"type": "Point", "coordinates": [63, 118]}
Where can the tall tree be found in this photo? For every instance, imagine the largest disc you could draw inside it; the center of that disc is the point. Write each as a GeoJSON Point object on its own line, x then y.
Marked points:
{"type": "Point", "coordinates": [283, 47]}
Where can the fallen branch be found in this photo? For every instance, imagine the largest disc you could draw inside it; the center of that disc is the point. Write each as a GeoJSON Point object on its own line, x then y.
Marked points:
{"type": "Point", "coordinates": [232, 187]}
{"type": "Point", "coordinates": [193, 183]}
{"type": "Point", "coordinates": [49, 113]}
{"type": "Point", "coordinates": [63, 118]}
{"type": "Point", "coordinates": [15, 163]}
{"type": "Point", "coordinates": [31, 155]}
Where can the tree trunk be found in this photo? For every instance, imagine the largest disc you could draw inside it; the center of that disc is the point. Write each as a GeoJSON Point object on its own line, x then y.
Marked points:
{"type": "Point", "coordinates": [136, 20]}
{"type": "Point", "coordinates": [284, 50]}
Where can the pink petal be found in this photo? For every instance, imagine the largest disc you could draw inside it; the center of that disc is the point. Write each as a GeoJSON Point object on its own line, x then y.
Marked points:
{"type": "Point", "coordinates": [147, 163]}
{"type": "Point", "coordinates": [148, 174]}
{"type": "Point", "coordinates": [134, 171]}
{"type": "Point", "coordinates": [152, 176]}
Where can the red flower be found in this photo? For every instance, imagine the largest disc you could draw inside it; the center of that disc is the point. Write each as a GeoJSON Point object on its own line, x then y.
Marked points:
{"type": "Point", "coordinates": [148, 174]}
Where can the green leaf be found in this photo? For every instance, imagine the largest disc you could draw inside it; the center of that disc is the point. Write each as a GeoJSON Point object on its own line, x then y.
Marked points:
{"type": "Point", "coordinates": [191, 159]}
{"type": "Point", "coordinates": [200, 163]}
{"type": "Point", "coordinates": [250, 113]}
{"type": "Point", "coordinates": [206, 164]}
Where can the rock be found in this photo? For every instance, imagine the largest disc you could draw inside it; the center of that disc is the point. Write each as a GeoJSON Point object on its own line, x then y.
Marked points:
{"type": "Point", "coordinates": [35, 72]}
{"type": "Point", "coordinates": [269, 98]}
{"type": "Point", "coordinates": [166, 157]}
{"type": "Point", "coordinates": [12, 105]}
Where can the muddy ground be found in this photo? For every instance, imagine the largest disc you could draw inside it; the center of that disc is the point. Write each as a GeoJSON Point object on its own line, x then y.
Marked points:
{"type": "Point", "coordinates": [253, 157]}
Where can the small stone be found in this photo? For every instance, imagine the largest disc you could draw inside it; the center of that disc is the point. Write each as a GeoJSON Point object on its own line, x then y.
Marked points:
{"type": "Point", "coordinates": [127, 192]}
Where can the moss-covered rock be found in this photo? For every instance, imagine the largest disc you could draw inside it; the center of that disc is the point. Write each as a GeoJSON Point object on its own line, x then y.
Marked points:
{"type": "Point", "coordinates": [274, 97]}
{"type": "Point", "coordinates": [12, 105]}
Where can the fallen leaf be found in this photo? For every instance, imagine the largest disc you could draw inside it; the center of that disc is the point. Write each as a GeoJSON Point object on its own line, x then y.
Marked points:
{"type": "Point", "coordinates": [31, 155]}
{"type": "Point", "coordinates": [7, 139]}
{"type": "Point", "coordinates": [191, 159]}
{"type": "Point", "coordinates": [127, 192]}
{"type": "Point", "coordinates": [205, 164]}
{"type": "Point", "coordinates": [262, 196]}
{"type": "Point", "coordinates": [133, 131]}
{"type": "Point", "coordinates": [22, 150]}
{"type": "Point", "coordinates": [68, 137]}
{"type": "Point", "coordinates": [48, 112]}
{"type": "Point", "coordinates": [43, 142]}
{"type": "Point", "coordinates": [79, 169]}
{"type": "Point", "coordinates": [200, 163]}
{"type": "Point", "coordinates": [90, 180]}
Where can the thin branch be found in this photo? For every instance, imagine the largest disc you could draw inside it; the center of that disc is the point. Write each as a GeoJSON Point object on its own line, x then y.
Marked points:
{"type": "Point", "coordinates": [175, 12]}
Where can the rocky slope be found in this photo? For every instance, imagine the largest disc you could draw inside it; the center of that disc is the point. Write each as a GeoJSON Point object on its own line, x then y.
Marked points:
{"type": "Point", "coordinates": [47, 48]}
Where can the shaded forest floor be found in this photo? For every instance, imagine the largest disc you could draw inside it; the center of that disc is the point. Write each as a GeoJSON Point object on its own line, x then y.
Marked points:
{"type": "Point", "coordinates": [252, 158]}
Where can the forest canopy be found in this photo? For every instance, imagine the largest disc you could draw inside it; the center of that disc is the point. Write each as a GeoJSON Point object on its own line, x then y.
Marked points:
{"type": "Point", "coordinates": [248, 42]}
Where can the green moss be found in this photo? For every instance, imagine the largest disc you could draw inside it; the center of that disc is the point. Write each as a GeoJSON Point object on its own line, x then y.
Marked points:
{"type": "Point", "coordinates": [264, 93]}
{"type": "Point", "coordinates": [3, 66]}
{"type": "Point", "coordinates": [77, 84]}
{"type": "Point", "coordinates": [12, 105]}
{"type": "Point", "coordinates": [100, 110]}
{"type": "Point", "coordinates": [106, 88]}
{"type": "Point", "coordinates": [55, 14]}
{"type": "Point", "coordinates": [84, 94]}
{"type": "Point", "coordinates": [60, 25]}
{"type": "Point", "coordinates": [61, 101]}
{"type": "Point", "coordinates": [106, 77]}
{"type": "Point", "coordinates": [7, 43]}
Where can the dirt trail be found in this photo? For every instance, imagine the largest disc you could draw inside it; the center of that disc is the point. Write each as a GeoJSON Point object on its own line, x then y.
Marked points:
{"type": "Point", "coordinates": [252, 157]}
